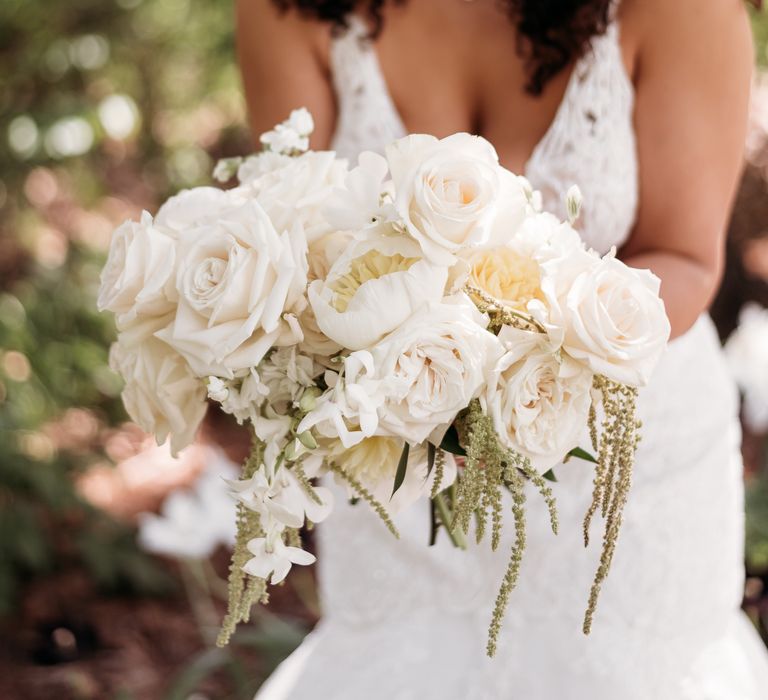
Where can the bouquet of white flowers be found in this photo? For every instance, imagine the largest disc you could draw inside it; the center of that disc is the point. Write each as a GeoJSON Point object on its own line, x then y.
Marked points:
{"type": "Point", "coordinates": [415, 326]}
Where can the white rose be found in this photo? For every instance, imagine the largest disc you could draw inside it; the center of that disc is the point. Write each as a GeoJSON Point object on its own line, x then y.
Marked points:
{"type": "Point", "coordinates": [537, 398]}
{"type": "Point", "coordinates": [447, 191]}
{"type": "Point", "coordinates": [236, 278]}
{"type": "Point", "coordinates": [373, 288]}
{"type": "Point", "coordinates": [294, 189]}
{"type": "Point", "coordinates": [513, 207]}
{"type": "Point", "coordinates": [161, 394]}
{"type": "Point", "coordinates": [137, 279]}
{"type": "Point", "coordinates": [611, 315]}
{"type": "Point", "coordinates": [414, 381]}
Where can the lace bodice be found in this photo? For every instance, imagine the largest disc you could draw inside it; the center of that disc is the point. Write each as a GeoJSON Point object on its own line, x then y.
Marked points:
{"type": "Point", "coordinates": [591, 140]}
{"type": "Point", "coordinates": [404, 621]}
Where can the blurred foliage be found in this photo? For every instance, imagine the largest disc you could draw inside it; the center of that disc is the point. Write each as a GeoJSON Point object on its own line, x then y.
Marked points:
{"type": "Point", "coordinates": [106, 107]}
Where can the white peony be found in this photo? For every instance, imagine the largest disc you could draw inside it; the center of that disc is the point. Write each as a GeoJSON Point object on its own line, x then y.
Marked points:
{"type": "Point", "coordinates": [537, 398]}
{"type": "Point", "coordinates": [137, 279]}
{"type": "Point", "coordinates": [161, 394]}
{"type": "Point", "coordinates": [611, 316]}
{"type": "Point", "coordinates": [415, 380]}
{"type": "Point", "coordinates": [323, 253]}
{"type": "Point", "coordinates": [237, 278]}
{"type": "Point", "coordinates": [447, 191]}
{"type": "Point", "coordinates": [373, 288]}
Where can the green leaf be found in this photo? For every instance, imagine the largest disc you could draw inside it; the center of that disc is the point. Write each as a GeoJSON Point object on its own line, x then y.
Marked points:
{"type": "Point", "coordinates": [580, 454]}
{"type": "Point", "coordinates": [401, 468]}
{"type": "Point", "coordinates": [550, 476]}
{"type": "Point", "coordinates": [451, 442]}
{"type": "Point", "coordinates": [430, 458]}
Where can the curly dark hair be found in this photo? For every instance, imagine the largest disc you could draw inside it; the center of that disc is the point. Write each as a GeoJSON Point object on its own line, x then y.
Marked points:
{"type": "Point", "coordinates": [551, 33]}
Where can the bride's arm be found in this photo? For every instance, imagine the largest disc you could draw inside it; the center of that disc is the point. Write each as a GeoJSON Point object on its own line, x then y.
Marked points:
{"type": "Point", "coordinates": [692, 85]}
{"type": "Point", "coordinates": [284, 66]}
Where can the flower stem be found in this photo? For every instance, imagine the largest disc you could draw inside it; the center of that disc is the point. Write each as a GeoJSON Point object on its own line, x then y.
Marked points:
{"type": "Point", "coordinates": [457, 537]}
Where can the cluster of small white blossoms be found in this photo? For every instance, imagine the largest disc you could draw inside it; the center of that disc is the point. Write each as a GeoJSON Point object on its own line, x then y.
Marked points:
{"type": "Point", "coordinates": [348, 316]}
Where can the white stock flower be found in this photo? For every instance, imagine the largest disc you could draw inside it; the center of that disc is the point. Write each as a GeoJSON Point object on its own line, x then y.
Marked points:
{"type": "Point", "coordinates": [236, 279]}
{"type": "Point", "coordinates": [610, 315]}
{"type": "Point", "coordinates": [137, 279]}
{"type": "Point", "coordinates": [161, 395]}
{"type": "Point", "coordinates": [272, 558]}
{"type": "Point", "coordinates": [747, 354]}
{"type": "Point", "coordinates": [447, 191]}
{"type": "Point", "coordinates": [373, 288]}
{"type": "Point", "coordinates": [415, 380]}
{"type": "Point", "coordinates": [537, 398]}
{"type": "Point", "coordinates": [274, 492]}
{"type": "Point", "coordinates": [301, 121]}
{"type": "Point", "coordinates": [284, 139]}
{"type": "Point", "coordinates": [362, 201]}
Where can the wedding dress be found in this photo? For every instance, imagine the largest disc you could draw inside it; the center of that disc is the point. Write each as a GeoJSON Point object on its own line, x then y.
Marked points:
{"type": "Point", "coordinates": [405, 621]}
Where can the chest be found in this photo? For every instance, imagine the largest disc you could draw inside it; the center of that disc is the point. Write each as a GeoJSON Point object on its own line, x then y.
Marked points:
{"type": "Point", "coordinates": [580, 132]}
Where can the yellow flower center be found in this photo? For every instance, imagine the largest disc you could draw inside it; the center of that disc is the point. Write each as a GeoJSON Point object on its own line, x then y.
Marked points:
{"type": "Point", "coordinates": [506, 276]}
{"type": "Point", "coordinates": [370, 266]}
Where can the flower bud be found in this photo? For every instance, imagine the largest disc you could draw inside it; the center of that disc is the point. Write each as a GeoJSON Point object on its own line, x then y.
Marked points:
{"type": "Point", "coordinates": [573, 202]}
{"type": "Point", "coordinates": [308, 440]}
{"type": "Point", "coordinates": [226, 168]}
{"type": "Point", "coordinates": [308, 400]}
{"type": "Point", "coordinates": [217, 390]}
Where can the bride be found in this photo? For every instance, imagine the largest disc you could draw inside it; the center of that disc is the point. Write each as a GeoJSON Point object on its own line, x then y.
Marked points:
{"type": "Point", "coordinates": [644, 105]}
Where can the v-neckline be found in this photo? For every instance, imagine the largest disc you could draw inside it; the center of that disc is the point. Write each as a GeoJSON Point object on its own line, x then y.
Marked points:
{"type": "Point", "coordinates": [577, 71]}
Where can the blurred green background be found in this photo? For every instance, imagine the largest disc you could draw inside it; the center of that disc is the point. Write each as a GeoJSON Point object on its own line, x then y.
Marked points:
{"type": "Point", "coordinates": [106, 108]}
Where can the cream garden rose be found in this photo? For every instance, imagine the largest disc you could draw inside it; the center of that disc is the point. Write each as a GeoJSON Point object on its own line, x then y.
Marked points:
{"type": "Point", "coordinates": [538, 400]}
{"type": "Point", "coordinates": [237, 278]}
{"type": "Point", "coordinates": [611, 315]}
{"type": "Point", "coordinates": [161, 395]}
{"type": "Point", "coordinates": [137, 279]}
{"type": "Point", "coordinates": [377, 283]}
{"type": "Point", "coordinates": [447, 191]}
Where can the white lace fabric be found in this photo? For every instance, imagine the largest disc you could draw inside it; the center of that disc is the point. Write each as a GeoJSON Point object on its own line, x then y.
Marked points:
{"type": "Point", "coordinates": [406, 621]}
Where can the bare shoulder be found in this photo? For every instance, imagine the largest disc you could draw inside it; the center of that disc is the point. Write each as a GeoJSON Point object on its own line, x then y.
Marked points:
{"type": "Point", "coordinates": [283, 58]}
{"type": "Point", "coordinates": [710, 32]}
{"type": "Point", "coordinates": [273, 29]}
